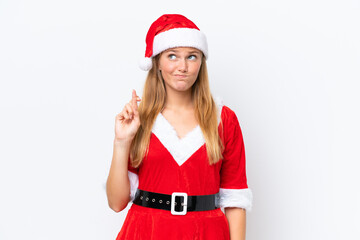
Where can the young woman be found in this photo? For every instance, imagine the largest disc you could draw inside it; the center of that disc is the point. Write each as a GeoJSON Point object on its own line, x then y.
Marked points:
{"type": "Point", "coordinates": [178, 156]}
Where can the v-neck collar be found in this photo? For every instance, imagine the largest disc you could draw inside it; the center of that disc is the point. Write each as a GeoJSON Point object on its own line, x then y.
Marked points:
{"type": "Point", "coordinates": [172, 129]}
{"type": "Point", "coordinates": [183, 148]}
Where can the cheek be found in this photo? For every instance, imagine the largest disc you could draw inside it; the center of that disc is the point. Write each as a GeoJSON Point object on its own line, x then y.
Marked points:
{"type": "Point", "coordinates": [196, 68]}
{"type": "Point", "coordinates": [166, 72]}
{"type": "Point", "coordinates": [167, 68]}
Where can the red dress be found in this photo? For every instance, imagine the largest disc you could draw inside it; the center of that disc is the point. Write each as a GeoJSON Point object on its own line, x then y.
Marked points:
{"type": "Point", "coordinates": [181, 165]}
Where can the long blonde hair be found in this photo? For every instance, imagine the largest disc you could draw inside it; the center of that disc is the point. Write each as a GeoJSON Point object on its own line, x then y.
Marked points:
{"type": "Point", "coordinates": [153, 101]}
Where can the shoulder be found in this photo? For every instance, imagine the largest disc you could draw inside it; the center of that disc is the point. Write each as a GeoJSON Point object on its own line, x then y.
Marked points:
{"type": "Point", "coordinates": [229, 126]}
{"type": "Point", "coordinates": [225, 113]}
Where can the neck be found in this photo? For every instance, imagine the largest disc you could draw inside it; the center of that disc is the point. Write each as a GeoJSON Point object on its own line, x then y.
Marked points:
{"type": "Point", "coordinates": [176, 100]}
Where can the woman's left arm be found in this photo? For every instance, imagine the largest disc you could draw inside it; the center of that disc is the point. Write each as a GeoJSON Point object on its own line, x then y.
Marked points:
{"type": "Point", "coordinates": [237, 222]}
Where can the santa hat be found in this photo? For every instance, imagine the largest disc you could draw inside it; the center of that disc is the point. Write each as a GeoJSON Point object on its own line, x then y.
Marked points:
{"type": "Point", "coordinates": [168, 31]}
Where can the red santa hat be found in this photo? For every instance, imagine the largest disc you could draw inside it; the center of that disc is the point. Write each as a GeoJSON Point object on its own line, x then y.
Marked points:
{"type": "Point", "coordinates": [172, 30]}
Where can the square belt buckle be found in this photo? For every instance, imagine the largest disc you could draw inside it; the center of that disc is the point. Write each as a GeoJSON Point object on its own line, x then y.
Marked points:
{"type": "Point", "coordinates": [184, 205]}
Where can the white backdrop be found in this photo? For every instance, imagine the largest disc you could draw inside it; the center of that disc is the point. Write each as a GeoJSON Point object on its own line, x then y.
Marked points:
{"type": "Point", "coordinates": [289, 69]}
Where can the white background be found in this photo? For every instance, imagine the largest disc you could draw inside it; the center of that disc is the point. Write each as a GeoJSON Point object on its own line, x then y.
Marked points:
{"type": "Point", "coordinates": [289, 69]}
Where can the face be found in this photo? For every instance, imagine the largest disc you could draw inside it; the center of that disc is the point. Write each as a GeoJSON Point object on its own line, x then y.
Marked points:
{"type": "Point", "coordinates": [180, 67]}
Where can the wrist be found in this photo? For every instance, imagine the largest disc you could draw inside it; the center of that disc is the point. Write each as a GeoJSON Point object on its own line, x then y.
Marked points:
{"type": "Point", "coordinates": [122, 142]}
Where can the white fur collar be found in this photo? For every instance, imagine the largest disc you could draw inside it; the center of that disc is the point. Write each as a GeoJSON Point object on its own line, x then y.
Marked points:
{"type": "Point", "coordinates": [181, 149]}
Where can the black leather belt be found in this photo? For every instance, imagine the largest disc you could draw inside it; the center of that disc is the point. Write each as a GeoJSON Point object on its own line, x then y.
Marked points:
{"type": "Point", "coordinates": [178, 203]}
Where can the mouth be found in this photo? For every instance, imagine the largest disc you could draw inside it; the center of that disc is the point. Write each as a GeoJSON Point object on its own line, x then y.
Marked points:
{"type": "Point", "coordinates": [180, 76]}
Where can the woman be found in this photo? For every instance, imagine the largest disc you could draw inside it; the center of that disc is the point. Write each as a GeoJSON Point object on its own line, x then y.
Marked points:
{"type": "Point", "coordinates": [178, 156]}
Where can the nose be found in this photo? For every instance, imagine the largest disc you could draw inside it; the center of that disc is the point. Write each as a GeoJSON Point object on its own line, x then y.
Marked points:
{"type": "Point", "coordinates": [183, 65]}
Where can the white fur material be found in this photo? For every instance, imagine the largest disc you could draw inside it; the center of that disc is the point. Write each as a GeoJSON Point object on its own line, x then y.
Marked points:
{"type": "Point", "coordinates": [240, 198]}
{"type": "Point", "coordinates": [134, 184]}
{"type": "Point", "coordinates": [180, 37]}
{"type": "Point", "coordinates": [180, 148]}
{"type": "Point", "coordinates": [145, 64]}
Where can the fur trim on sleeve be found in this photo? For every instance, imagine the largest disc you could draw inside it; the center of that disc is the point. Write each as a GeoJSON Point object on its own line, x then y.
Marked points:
{"type": "Point", "coordinates": [241, 198]}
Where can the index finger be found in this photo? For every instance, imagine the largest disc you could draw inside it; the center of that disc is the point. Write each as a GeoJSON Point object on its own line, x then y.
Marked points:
{"type": "Point", "coordinates": [134, 99]}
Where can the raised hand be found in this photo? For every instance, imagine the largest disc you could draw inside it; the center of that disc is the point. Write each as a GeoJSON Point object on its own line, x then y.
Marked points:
{"type": "Point", "coordinates": [127, 122]}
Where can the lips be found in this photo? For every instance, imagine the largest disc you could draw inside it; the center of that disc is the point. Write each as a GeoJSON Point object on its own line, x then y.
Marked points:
{"type": "Point", "coordinates": [180, 76]}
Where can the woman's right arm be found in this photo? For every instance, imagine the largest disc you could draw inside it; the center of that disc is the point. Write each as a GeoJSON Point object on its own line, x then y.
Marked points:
{"type": "Point", "coordinates": [118, 185]}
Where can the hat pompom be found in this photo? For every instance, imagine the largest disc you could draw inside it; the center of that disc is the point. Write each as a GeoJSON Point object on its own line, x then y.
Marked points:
{"type": "Point", "coordinates": [145, 63]}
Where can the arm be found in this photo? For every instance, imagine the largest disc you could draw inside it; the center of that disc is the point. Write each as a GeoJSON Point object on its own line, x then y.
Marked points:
{"type": "Point", "coordinates": [118, 185]}
{"type": "Point", "coordinates": [127, 123]}
{"type": "Point", "coordinates": [234, 195]}
{"type": "Point", "coordinates": [237, 222]}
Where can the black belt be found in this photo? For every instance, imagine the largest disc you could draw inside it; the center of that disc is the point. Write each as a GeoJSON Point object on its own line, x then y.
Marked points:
{"type": "Point", "coordinates": [176, 202]}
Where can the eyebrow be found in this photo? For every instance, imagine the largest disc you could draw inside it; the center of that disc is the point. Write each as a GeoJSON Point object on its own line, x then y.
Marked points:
{"type": "Point", "coordinates": [193, 51]}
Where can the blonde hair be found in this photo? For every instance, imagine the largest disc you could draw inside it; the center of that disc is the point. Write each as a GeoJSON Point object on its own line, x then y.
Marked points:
{"type": "Point", "coordinates": [153, 101]}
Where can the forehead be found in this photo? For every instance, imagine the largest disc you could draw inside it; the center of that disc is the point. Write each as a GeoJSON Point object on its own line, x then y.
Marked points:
{"type": "Point", "coordinates": [183, 50]}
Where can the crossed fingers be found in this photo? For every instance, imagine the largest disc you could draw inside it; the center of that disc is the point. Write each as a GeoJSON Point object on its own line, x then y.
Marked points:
{"type": "Point", "coordinates": [131, 108]}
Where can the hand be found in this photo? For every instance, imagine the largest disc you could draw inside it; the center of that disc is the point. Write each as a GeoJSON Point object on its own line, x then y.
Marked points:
{"type": "Point", "coordinates": [127, 122]}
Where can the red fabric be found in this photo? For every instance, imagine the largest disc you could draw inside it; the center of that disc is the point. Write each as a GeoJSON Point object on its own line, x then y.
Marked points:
{"type": "Point", "coordinates": [233, 168]}
{"type": "Point", "coordinates": [154, 224]}
{"type": "Point", "coordinates": [160, 173]}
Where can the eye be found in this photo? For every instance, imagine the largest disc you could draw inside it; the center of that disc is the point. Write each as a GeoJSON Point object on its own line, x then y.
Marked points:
{"type": "Point", "coordinates": [192, 57]}
{"type": "Point", "coordinates": [172, 56]}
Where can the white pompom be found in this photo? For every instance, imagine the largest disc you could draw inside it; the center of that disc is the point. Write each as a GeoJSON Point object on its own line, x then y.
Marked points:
{"type": "Point", "coordinates": [145, 63]}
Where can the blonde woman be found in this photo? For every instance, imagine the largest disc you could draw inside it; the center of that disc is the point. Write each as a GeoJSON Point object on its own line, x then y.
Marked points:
{"type": "Point", "coordinates": [179, 155]}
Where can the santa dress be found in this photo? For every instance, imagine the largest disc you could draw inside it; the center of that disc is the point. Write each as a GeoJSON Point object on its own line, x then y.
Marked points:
{"type": "Point", "coordinates": [181, 165]}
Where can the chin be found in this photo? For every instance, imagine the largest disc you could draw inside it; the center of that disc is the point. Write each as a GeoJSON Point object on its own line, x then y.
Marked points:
{"type": "Point", "coordinates": [181, 87]}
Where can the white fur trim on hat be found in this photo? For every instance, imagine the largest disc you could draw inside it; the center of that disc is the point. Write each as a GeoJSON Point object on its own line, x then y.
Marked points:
{"type": "Point", "coordinates": [180, 37]}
